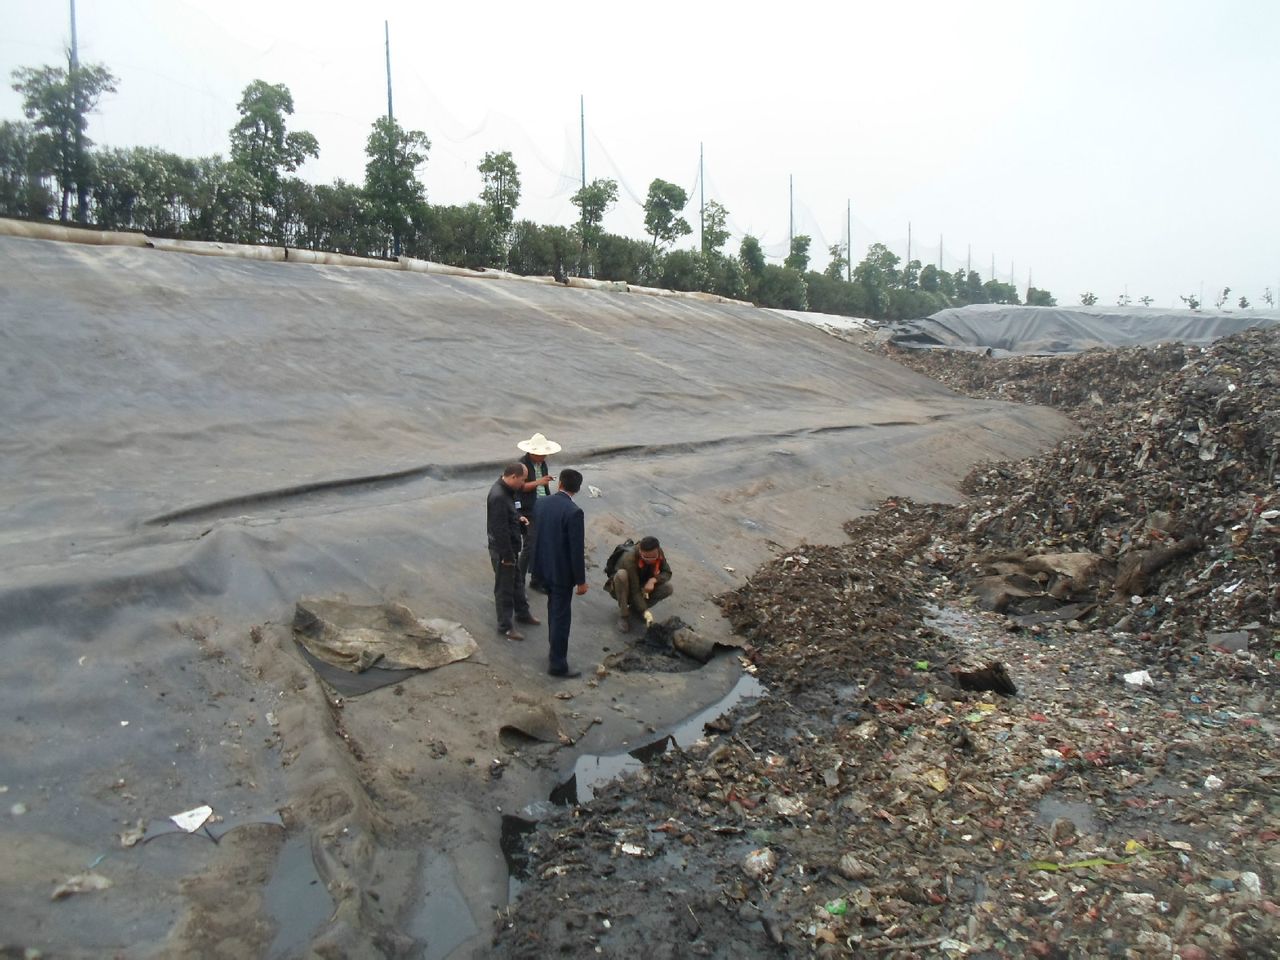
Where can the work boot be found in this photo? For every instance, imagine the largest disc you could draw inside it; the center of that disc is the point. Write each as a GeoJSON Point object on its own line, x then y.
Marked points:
{"type": "Point", "coordinates": [514, 635]}
{"type": "Point", "coordinates": [529, 619]}
{"type": "Point", "coordinates": [624, 624]}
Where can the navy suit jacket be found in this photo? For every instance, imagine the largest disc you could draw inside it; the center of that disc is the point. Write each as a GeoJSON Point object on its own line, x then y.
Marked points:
{"type": "Point", "coordinates": [559, 549]}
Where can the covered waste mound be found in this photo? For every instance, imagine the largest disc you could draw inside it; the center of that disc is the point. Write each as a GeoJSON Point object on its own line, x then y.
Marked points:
{"type": "Point", "coordinates": [1001, 328]}
{"type": "Point", "coordinates": [1115, 797]}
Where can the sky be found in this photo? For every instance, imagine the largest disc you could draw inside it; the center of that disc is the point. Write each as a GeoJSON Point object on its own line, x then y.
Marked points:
{"type": "Point", "coordinates": [1108, 147]}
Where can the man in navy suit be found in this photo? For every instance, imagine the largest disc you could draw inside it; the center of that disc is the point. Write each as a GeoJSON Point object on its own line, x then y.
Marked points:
{"type": "Point", "coordinates": [559, 561]}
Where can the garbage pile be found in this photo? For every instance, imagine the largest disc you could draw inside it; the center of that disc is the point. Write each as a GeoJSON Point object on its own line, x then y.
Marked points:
{"type": "Point", "coordinates": [976, 743]}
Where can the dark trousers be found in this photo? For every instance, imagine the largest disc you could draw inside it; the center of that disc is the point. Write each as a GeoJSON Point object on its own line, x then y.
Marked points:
{"type": "Point", "coordinates": [526, 555]}
{"type": "Point", "coordinates": [559, 617]}
{"type": "Point", "coordinates": [508, 592]}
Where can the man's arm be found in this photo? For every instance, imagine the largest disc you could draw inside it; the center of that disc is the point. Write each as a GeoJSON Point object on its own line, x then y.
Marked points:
{"type": "Point", "coordinates": [575, 535]}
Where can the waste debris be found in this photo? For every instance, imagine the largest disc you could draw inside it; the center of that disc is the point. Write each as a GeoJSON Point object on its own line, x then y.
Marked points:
{"type": "Point", "coordinates": [876, 806]}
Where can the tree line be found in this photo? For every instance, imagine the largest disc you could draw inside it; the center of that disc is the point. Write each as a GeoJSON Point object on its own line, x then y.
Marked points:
{"type": "Point", "coordinates": [50, 169]}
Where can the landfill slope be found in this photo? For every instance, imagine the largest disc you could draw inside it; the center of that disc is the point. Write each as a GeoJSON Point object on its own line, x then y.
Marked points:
{"type": "Point", "coordinates": [1040, 722]}
{"type": "Point", "coordinates": [193, 444]}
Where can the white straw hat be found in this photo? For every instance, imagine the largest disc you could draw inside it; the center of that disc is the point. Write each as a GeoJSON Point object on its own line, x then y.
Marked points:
{"type": "Point", "coordinates": [539, 446]}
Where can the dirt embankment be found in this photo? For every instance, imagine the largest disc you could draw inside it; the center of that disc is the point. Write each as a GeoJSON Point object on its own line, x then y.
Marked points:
{"type": "Point", "coordinates": [1122, 803]}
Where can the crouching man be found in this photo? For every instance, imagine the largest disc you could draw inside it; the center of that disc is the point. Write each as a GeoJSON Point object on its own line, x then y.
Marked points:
{"type": "Point", "coordinates": [643, 577]}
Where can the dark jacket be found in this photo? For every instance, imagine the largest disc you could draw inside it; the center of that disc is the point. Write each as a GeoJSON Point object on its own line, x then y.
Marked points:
{"type": "Point", "coordinates": [630, 562]}
{"type": "Point", "coordinates": [559, 549]}
{"type": "Point", "coordinates": [529, 498]}
{"type": "Point", "coordinates": [504, 522]}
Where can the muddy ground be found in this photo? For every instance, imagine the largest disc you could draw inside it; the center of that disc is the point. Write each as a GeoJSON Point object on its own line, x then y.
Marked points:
{"type": "Point", "coordinates": [1123, 802]}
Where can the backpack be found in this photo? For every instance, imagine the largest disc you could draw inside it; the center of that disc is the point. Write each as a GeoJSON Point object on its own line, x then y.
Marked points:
{"type": "Point", "coordinates": [611, 565]}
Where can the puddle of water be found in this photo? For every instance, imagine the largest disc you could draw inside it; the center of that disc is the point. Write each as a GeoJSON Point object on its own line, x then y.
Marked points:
{"type": "Point", "coordinates": [592, 770]}
{"type": "Point", "coordinates": [295, 899]}
{"type": "Point", "coordinates": [1081, 814]}
{"type": "Point", "coordinates": [443, 919]}
{"type": "Point", "coordinates": [956, 624]}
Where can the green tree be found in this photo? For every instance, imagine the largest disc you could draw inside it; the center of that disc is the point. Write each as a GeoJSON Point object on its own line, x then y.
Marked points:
{"type": "Point", "coordinates": [396, 197]}
{"type": "Point", "coordinates": [1089, 298]}
{"type": "Point", "coordinates": [839, 262]}
{"type": "Point", "coordinates": [929, 279]}
{"type": "Point", "coordinates": [626, 259]}
{"type": "Point", "coordinates": [1244, 303]}
{"type": "Point", "coordinates": [878, 276]}
{"type": "Point", "coordinates": [684, 270]}
{"type": "Point", "coordinates": [829, 294]}
{"type": "Point", "coordinates": [22, 171]}
{"type": "Point", "coordinates": [752, 256]}
{"type": "Point", "coordinates": [997, 292]}
{"type": "Point", "coordinates": [1222, 297]}
{"type": "Point", "coordinates": [265, 150]}
{"type": "Point", "coordinates": [798, 256]}
{"type": "Point", "coordinates": [662, 208]}
{"type": "Point", "coordinates": [714, 234]}
{"type": "Point", "coordinates": [59, 100]}
{"type": "Point", "coordinates": [781, 287]}
{"type": "Point", "coordinates": [1268, 297]}
{"type": "Point", "coordinates": [501, 190]}
{"type": "Point", "coordinates": [1040, 298]}
{"type": "Point", "coordinates": [725, 276]}
{"type": "Point", "coordinates": [1191, 300]}
{"type": "Point", "coordinates": [540, 251]}
{"type": "Point", "coordinates": [593, 202]}
{"type": "Point", "coordinates": [1145, 301]}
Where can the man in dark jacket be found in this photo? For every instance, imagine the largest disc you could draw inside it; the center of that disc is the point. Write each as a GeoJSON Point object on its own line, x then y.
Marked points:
{"type": "Point", "coordinates": [504, 552]}
{"type": "Point", "coordinates": [537, 484]}
{"type": "Point", "coordinates": [559, 561]}
{"type": "Point", "coordinates": [642, 579]}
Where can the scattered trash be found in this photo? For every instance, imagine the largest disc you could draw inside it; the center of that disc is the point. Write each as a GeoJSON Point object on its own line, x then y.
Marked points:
{"type": "Point", "coordinates": [18, 809]}
{"type": "Point", "coordinates": [992, 678]}
{"type": "Point", "coordinates": [594, 491]}
{"type": "Point", "coordinates": [1138, 678]}
{"type": "Point", "coordinates": [193, 819]}
{"type": "Point", "coordinates": [80, 883]}
{"type": "Point", "coordinates": [760, 863]}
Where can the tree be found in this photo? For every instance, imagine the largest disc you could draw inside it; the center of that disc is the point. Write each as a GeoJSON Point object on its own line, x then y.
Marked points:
{"type": "Point", "coordinates": [1040, 298]}
{"type": "Point", "coordinates": [59, 101]}
{"type": "Point", "coordinates": [997, 292]}
{"type": "Point", "coordinates": [265, 151]}
{"type": "Point", "coordinates": [752, 256]}
{"type": "Point", "coordinates": [593, 202]}
{"type": "Point", "coordinates": [395, 195]}
{"type": "Point", "coordinates": [684, 270]}
{"type": "Point", "coordinates": [878, 276]}
{"type": "Point", "coordinates": [929, 279]}
{"type": "Point", "coordinates": [662, 207]}
{"type": "Point", "coordinates": [1191, 300]}
{"type": "Point", "coordinates": [1122, 300]}
{"type": "Point", "coordinates": [1222, 297]}
{"type": "Point", "coordinates": [22, 189]}
{"type": "Point", "coordinates": [781, 287]}
{"type": "Point", "coordinates": [1268, 298]}
{"type": "Point", "coordinates": [501, 191]}
{"type": "Point", "coordinates": [1244, 303]}
{"type": "Point", "coordinates": [798, 257]}
{"type": "Point", "coordinates": [1145, 301]}
{"type": "Point", "coordinates": [714, 234]}
{"type": "Point", "coordinates": [1089, 298]}
{"type": "Point", "coordinates": [839, 262]}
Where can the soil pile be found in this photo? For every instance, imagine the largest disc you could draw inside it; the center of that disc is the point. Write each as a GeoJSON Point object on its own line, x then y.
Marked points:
{"type": "Point", "coordinates": [1122, 803]}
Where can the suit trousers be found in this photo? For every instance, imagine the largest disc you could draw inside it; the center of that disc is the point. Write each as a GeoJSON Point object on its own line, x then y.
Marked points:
{"type": "Point", "coordinates": [509, 598]}
{"type": "Point", "coordinates": [559, 618]}
{"type": "Point", "coordinates": [526, 554]}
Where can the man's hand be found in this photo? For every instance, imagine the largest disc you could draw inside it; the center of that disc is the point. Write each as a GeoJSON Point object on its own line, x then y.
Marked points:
{"type": "Point", "coordinates": [648, 618]}
{"type": "Point", "coordinates": [545, 481]}
{"type": "Point", "coordinates": [580, 589]}
{"type": "Point", "coordinates": [649, 586]}
{"type": "Point", "coordinates": [525, 521]}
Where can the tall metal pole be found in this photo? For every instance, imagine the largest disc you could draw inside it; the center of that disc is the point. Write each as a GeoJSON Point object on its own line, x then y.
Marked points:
{"type": "Point", "coordinates": [82, 189]}
{"type": "Point", "coordinates": [702, 205]}
{"type": "Point", "coordinates": [968, 261]}
{"type": "Point", "coordinates": [791, 212]}
{"type": "Point", "coordinates": [908, 264]}
{"type": "Point", "coordinates": [386, 28]}
{"type": "Point", "coordinates": [993, 266]}
{"type": "Point", "coordinates": [848, 240]}
{"type": "Point", "coordinates": [939, 253]}
{"type": "Point", "coordinates": [582, 136]}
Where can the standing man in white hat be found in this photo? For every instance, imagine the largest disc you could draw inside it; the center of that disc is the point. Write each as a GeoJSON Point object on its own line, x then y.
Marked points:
{"type": "Point", "coordinates": [538, 480]}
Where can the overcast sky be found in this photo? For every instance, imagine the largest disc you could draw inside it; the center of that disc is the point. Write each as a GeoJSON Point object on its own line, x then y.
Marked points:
{"type": "Point", "coordinates": [1099, 145]}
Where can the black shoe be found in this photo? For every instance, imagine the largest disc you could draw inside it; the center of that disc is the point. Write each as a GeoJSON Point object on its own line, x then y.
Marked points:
{"type": "Point", "coordinates": [566, 674]}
